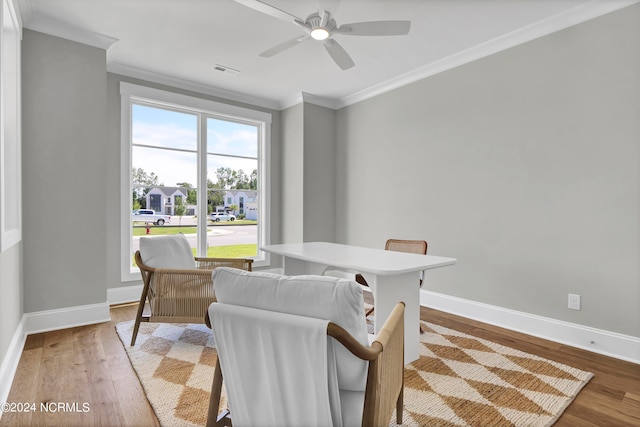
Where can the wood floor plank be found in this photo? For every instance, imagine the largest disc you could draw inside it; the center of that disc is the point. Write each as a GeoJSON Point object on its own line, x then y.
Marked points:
{"type": "Point", "coordinates": [603, 410]}
{"type": "Point", "coordinates": [56, 383]}
{"type": "Point", "coordinates": [570, 420]}
{"type": "Point", "coordinates": [133, 403]}
{"type": "Point", "coordinates": [34, 341]}
{"type": "Point", "coordinates": [25, 385]}
{"type": "Point", "coordinates": [89, 364]}
{"type": "Point", "coordinates": [632, 399]}
{"type": "Point", "coordinates": [94, 371]}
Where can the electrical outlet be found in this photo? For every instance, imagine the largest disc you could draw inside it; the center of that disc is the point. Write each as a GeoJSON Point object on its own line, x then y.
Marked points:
{"type": "Point", "coordinates": [574, 302]}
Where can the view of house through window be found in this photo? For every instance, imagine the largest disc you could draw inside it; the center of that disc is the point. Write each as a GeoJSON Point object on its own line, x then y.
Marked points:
{"type": "Point", "coordinates": [196, 174]}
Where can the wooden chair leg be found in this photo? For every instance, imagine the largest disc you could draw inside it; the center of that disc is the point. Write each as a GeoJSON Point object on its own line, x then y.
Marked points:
{"type": "Point", "coordinates": [135, 331]}
{"type": "Point", "coordinates": [136, 326]}
{"type": "Point", "coordinates": [224, 419]}
{"type": "Point", "coordinates": [213, 419]}
{"type": "Point", "coordinates": [400, 405]}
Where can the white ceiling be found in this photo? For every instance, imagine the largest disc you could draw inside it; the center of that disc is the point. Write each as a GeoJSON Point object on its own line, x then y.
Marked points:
{"type": "Point", "coordinates": [178, 42]}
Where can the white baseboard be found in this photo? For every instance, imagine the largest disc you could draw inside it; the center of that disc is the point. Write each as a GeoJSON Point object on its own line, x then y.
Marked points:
{"type": "Point", "coordinates": [62, 318]}
{"type": "Point", "coordinates": [619, 346]}
{"type": "Point", "coordinates": [613, 344]}
{"type": "Point", "coordinates": [124, 294]}
{"type": "Point", "coordinates": [10, 361]}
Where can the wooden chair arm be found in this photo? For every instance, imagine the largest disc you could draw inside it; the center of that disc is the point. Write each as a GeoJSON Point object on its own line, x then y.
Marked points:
{"type": "Point", "coordinates": [205, 259]}
{"type": "Point", "coordinates": [385, 334]}
{"type": "Point", "coordinates": [212, 263]}
{"type": "Point", "coordinates": [350, 343]}
{"type": "Point", "coordinates": [202, 263]}
{"type": "Point", "coordinates": [380, 342]}
{"type": "Point", "coordinates": [181, 272]}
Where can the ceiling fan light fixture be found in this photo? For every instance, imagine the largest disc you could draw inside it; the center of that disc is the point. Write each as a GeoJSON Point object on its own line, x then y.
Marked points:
{"type": "Point", "coordinates": [319, 33]}
{"type": "Point", "coordinates": [321, 26]}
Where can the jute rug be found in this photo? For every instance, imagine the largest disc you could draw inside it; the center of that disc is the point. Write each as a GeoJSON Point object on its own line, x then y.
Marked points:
{"type": "Point", "coordinates": [459, 380]}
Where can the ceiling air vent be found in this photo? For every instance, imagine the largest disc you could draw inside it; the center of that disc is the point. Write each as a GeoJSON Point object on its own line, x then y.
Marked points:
{"type": "Point", "coordinates": [226, 69]}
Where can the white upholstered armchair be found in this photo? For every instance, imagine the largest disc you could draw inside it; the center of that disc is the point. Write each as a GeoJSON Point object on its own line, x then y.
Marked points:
{"type": "Point", "coordinates": [295, 351]}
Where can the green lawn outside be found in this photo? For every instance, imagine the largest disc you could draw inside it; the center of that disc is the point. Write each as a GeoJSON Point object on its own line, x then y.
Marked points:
{"type": "Point", "coordinates": [161, 230]}
{"type": "Point", "coordinates": [232, 251]}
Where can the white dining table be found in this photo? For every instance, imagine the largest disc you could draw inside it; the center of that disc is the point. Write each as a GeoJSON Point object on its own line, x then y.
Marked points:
{"type": "Point", "coordinates": [392, 277]}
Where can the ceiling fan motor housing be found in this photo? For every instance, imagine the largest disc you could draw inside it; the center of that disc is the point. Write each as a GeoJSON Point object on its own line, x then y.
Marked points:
{"type": "Point", "coordinates": [314, 21]}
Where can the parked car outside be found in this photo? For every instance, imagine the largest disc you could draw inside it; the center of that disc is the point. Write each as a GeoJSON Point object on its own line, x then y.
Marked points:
{"type": "Point", "coordinates": [149, 216]}
{"type": "Point", "coordinates": [222, 216]}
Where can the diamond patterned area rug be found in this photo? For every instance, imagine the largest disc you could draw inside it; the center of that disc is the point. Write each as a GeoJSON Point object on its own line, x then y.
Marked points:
{"type": "Point", "coordinates": [459, 380]}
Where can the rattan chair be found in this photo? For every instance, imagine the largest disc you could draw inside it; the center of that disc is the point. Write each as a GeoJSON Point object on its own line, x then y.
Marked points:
{"type": "Point", "coordinates": [398, 245]}
{"type": "Point", "coordinates": [246, 296]}
{"type": "Point", "coordinates": [178, 295]}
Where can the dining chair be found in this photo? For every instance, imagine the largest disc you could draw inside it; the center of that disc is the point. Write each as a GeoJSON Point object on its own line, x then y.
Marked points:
{"type": "Point", "coordinates": [398, 245]}
{"type": "Point", "coordinates": [294, 350]}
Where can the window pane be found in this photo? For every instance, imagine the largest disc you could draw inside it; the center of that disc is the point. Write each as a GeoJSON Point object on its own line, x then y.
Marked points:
{"type": "Point", "coordinates": [163, 179]}
{"type": "Point", "coordinates": [164, 128]}
{"type": "Point", "coordinates": [232, 176]}
{"type": "Point", "coordinates": [170, 167]}
{"type": "Point", "coordinates": [232, 172]}
{"type": "Point", "coordinates": [237, 139]}
{"type": "Point", "coordinates": [237, 237]}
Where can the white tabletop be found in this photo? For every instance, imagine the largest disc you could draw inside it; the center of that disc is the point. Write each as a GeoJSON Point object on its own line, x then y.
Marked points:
{"type": "Point", "coordinates": [367, 260]}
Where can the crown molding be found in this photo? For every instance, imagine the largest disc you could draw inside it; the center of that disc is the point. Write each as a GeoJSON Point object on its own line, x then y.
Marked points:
{"type": "Point", "coordinates": [164, 79]}
{"type": "Point", "coordinates": [544, 27]}
{"type": "Point", "coordinates": [16, 14]}
{"type": "Point", "coordinates": [291, 101]}
{"type": "Point", "coordinates": [45, 24]}
{"type": "Point", "coordinates": [309, 98]}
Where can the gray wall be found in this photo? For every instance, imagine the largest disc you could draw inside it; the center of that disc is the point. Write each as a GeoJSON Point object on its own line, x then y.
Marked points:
{"type": "Point", "coordinates": [523, 165]}
{"type": "Point", "coordinates": [291, 173]}
{"type": "Point", "coordinates": [308, 173]}
{"type": "Point", "coordinates": [319, 173]}
{"type": "Point", "coordinates": [64, 142]}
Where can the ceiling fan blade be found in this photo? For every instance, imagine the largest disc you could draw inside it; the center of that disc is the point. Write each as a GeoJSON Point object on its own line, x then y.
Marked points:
{"type": "Point", "coordinates": [284, 46]}
{"type": "Point", "coordinates": [267, 9]}
{"type": "Point", "coordinates": [375, 28]}
{"type": "Point", "coordinates": [339, 55]}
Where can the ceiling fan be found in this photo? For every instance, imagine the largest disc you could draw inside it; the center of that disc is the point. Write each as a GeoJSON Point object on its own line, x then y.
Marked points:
{"type": "Point", "coordinates": [321, 26]}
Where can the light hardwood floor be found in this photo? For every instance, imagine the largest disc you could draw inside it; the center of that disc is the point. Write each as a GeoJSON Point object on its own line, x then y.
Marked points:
{"type": "Point", "coordinates": [88, 364]}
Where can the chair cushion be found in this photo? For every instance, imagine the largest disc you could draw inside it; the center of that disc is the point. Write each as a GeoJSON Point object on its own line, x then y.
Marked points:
{"type": "Point", "coordinates": [337, 300]}
{"type": "Point", "coordinates": [171, 251]}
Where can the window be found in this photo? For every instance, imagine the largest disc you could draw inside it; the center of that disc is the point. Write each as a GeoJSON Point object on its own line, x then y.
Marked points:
{"type": "Point", "coordinates": [183, 157]}
{"type": "Point", "coordinates": [10, 172]}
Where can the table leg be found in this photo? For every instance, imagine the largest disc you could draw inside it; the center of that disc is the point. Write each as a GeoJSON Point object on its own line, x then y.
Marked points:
{"type": "Point", "coordinates": [387, 292]}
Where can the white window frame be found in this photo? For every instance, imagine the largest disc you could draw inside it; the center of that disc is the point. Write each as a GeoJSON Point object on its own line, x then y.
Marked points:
{"type": "Point", "coordinates": [131, 93]}
{"type": "Point", "coordinates": [10, 128]}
